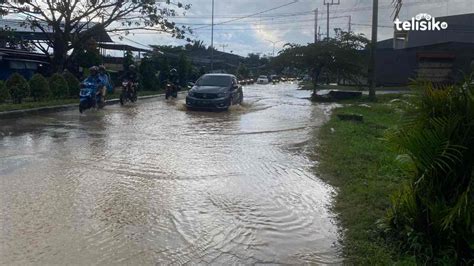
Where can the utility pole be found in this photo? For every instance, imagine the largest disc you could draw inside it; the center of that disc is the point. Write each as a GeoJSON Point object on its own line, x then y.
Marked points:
{"type": "Point", "coordinates": [373, 49]}
{"type": "Point", "coordinates": [212, 38]}
{"type": "Point", "coordinates": [350, 22]}
{"type": "Point", "coordinates": [316, 25]}
{"type": "Point", "coordinates": [329, 3]}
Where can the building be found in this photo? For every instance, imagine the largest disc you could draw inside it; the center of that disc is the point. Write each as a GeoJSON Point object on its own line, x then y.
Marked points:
{"type": "Point", "coordinates": [443, 56]}
{"type": "Point", "coordinates": [28, 62]}
{"type": "Point", "coordinates": [24, 62]}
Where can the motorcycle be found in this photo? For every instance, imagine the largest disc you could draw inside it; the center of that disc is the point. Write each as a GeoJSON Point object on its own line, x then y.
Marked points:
{"type": "Point", "coordinates": [171, 91]}
{"type": "Point", "coordinates": [89, 97]}
{"type": "Point", "coordinates": [129, 92]}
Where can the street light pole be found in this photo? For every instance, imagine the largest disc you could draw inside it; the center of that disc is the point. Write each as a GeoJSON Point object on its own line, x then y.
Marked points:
{"type": "Point", "coordinates": [212, 38]}
{"type": "Point", "coordinates": [373, 48]}
{"type": "Point", "coordinates": [274, 42]}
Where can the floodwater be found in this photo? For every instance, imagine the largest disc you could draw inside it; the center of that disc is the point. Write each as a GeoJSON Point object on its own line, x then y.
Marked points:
{"type": "Point", "coordinates": [153, 183]}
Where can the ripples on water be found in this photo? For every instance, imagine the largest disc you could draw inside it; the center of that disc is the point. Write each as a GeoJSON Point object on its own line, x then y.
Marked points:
{"type": "Point", "coordinates": [155, 183]}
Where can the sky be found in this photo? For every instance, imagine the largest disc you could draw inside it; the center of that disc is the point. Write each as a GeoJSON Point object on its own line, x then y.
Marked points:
{"type": "Point", "coordinates": [261, 24]}
{"type": "Point", "coordinates": [290, 21]}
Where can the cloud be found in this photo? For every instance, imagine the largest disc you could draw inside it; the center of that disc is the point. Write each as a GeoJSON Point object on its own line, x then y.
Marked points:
{"type": "Point", "coordinates": [296, 25]}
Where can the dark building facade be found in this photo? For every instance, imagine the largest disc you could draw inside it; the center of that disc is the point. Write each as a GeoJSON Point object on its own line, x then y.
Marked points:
{"type": "Point", "coordinates": [24, 62]}
{"type": "Point", "coordinates": [444, 56]}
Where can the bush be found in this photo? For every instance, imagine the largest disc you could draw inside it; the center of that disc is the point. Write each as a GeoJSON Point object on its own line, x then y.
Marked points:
{"type": "Point", "coordinates": [432, 215]}
{"type": "Point", "coordinates": [58, 86]}
{"type": "Point", "coordinates": [4, 94]}
{"type": "Point", "coordinates": [73, 84]}
{"type": "Point", "coordinates": [18, 87]}
{"type": "Point", "coordinates": [39, 87]}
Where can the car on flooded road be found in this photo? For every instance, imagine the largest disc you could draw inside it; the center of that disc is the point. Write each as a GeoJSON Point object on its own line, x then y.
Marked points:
{"type": "Point", "coordinates": [263, 80]}
{"type": "Point", "coordinates": [216, 92]}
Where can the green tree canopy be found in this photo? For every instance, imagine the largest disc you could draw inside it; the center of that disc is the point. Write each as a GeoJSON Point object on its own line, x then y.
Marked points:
{"type": "Point", "coordinates": [18, 87]}
{"type": "Point", "coordinates": [59, 86]}
{"type": "Point", "coordinates": [70, 23]}
{"type": "Point", "coordinates": [39, 87]}
{"type": "Point", "coordinates": [4, 93]}
{"type": "Point", "coordinates": [342, 56]}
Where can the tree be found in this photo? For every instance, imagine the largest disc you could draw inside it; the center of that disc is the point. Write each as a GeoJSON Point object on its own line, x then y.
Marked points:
{"type": "Point", "coordinates": [128, 60]}
{"type": "Point", "coordinates": [340, 56]}
{"type": "Point", "coordinates": [148, 73]}
{"type": "Point", "coordinates": [39, 87]}
{"type": "Point", "coordinates": [68, 24]}
{"type": "Point", "coordinates": [73, 84]}
{"type": "Point", "coordinates": [59, 87]}
{"type": "Point", "coordinates": [432, 214]}
{"type": "Point", "coordinates": [243, 71]}
{"type": "Point", "coordinates": [8, 39]}
{"type": "Point", "coordinates": [184, 67]}
{"type": "Point", "coordinates": [87, 54]}
{"type": "Point", "coordinates": [4, 94]}
{"type": "Point", "coordinates": [18, 87]}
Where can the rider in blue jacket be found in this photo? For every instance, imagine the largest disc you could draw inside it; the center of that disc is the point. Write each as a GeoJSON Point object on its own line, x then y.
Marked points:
{"type": "Point", "coordinates": [105, 77]}
{"type": "Point", "coordinates": [95, 79]}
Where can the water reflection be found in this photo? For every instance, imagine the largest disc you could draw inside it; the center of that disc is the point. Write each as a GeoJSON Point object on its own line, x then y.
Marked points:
{"type": "Point", "coordinates": [154, 183]}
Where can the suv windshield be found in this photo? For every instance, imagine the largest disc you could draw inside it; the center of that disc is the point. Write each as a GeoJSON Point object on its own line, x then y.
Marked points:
{"type": "Point", "coordinates": [220, 81]}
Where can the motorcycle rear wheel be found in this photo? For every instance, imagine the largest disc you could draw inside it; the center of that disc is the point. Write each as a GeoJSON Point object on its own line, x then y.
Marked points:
{"type": "Point", "coordinates": [122, 100]}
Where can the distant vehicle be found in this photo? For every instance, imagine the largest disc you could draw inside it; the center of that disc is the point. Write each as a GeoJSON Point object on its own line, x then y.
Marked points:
{"type": "Point", "coordinates": [215, 91]}
{"type": "Point", "coordinates": [263, 80]}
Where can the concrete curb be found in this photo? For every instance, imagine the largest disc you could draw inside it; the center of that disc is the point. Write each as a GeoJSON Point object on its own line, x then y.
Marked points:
{"type": "Point", "coordinates": [57, 108]}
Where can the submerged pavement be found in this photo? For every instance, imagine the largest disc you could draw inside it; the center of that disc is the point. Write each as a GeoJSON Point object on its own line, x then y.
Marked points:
{"type": "Point", "coordinates": [154, 183]}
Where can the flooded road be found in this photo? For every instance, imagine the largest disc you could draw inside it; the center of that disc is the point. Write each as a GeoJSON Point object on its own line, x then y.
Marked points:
{"type": "Point", "coordinates": [153, 183]}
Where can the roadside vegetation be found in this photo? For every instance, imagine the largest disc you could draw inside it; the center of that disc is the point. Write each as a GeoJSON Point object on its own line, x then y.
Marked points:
{"type": "Point", "coordinates": [404, 177]}
{"type": "Point", "coordinates": [18, 94]}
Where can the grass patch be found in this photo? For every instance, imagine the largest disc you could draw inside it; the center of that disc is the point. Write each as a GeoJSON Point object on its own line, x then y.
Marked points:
{"type": "Point", "coordinates": [354, 158]}
{"type": "Point", "coordinates": [30, 104]}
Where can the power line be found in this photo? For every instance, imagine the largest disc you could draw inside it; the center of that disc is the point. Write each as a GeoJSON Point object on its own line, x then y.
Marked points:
{"type": "Point", "coordinates": [252, 15]}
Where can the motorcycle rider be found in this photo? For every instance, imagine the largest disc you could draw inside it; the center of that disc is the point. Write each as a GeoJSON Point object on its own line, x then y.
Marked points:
{"type": "Point", "coordinates": [105, 77]}
{"type": "Point", "coordinates": [95, 79]}
{"type": "Point", "coordinates": [131, 75]}
{"type": "Point", "coordinates": [172, 87]}
{"type": "Point", "coordinates": [173, 78]}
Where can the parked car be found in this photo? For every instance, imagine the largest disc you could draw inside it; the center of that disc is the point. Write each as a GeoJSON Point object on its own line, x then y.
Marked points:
{"type": "Point", "coordinates": [215, 91]}
{"type": "Point", "coordinates": [262, 80]}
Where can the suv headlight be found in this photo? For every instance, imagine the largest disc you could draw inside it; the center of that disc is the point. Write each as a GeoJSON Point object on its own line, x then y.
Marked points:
{"type": "Point", "coordinates": [191, 93]}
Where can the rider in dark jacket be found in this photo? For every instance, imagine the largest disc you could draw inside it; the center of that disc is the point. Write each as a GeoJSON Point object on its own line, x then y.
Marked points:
{"type": "Point", "coordinates": [131, 75]}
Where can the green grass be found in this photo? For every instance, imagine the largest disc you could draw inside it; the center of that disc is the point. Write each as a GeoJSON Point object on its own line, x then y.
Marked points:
{"type": "Point", "coordinates": [354, 158]}
{"type": "Point", "coordinates": [30, 104]}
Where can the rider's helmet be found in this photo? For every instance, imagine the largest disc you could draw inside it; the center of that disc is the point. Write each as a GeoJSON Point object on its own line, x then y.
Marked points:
{"type": "Point", "coordinates": [102, 69]}
{"type": "Point", "coordinates": [132, 67]}
{"type": "Point", "coordinates": [173, 71]}
{"type": "Point", "coordinates": [93, 70]}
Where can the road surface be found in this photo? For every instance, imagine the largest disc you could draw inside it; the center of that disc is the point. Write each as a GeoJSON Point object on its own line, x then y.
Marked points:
{"type": "Point", "coordinates": [153, 183]}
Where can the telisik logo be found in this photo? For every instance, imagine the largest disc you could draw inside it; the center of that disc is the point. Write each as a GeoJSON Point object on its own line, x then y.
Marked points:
{"type": "Point", "coordinates": [421, 22]}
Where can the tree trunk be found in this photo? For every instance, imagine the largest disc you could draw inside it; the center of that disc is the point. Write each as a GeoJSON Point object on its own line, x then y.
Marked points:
{"type": "Point", "coordinates": [59, 54]}
{"type": "Point", "coordinates": [315, 79]}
